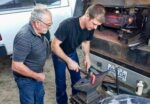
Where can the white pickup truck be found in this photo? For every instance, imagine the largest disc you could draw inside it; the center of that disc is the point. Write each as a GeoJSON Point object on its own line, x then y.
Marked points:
{"type": "Point", "coordinates": [15, 13]}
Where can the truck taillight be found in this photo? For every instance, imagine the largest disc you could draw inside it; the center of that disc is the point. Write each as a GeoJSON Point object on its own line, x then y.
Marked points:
{"type": "Point", "coordinates": [0, 37]}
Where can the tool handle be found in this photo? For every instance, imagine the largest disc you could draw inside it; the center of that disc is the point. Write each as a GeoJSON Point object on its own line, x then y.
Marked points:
{"type": "Point", "coordinates": [84, 72]}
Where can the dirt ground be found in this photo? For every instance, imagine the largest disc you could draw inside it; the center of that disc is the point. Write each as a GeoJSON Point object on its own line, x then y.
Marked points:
{"type": "Point", "coordinates": [9, 92]}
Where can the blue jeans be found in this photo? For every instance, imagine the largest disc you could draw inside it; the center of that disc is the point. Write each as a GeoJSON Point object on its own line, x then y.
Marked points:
{"type": "Point", "coordinates": [60, 77]}
{"type": "Point", "coordinates": [30, 91]}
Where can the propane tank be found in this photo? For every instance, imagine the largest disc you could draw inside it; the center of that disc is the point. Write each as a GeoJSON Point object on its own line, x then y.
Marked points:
{"type": "Point", "coordinates": [139, 88]}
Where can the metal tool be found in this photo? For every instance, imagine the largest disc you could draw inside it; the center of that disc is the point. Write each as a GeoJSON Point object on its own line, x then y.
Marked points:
{"type": "Point", "coordinates": [90, 81]}
{"type": "Point", "coordinates": [89, 74]}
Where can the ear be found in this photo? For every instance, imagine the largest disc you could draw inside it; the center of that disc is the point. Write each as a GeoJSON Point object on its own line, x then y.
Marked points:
{"type": "Point", "coordinates": [88, 17]}
{"type": "Point", "coordinates": [37, 24]}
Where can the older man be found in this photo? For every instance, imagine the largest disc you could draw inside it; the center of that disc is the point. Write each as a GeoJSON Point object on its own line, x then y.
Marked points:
{"type": "Point", "coordinates": [70, 34]}
{"type": "Point", "coordinates": [29, 56]}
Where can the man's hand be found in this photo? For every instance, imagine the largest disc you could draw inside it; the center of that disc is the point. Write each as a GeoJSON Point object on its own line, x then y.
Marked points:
{"type": "Point", "coordinates": [72, 65]}
{"type": "Point", "coordinates": [87, 62]}
{"type": "Point", "coordinates": [40, 76]}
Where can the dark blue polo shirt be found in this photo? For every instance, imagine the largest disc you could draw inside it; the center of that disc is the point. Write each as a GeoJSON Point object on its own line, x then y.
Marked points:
{"type": "Point", "coordinates": [30, 48]}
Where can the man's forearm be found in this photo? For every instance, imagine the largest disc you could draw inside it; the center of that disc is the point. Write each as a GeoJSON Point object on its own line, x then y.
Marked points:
{"type": "Point", "coordinates": [72, 65]}
{"type": "Point", "coordinates": [86, 48]}
{"type": "Point", "coordinates": [86, 51]}
{"type": "Point", "coordinates": [22, 69]}
{"type": "Point", "coordinates": [59, 52]}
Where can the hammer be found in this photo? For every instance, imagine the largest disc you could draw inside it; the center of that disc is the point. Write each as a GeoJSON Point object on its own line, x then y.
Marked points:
{"type": "Point", "coordinates": [91, 74]}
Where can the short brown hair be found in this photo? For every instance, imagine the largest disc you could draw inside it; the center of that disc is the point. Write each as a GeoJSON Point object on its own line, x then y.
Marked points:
{"type": "Point", "coordinates": [96, 10]}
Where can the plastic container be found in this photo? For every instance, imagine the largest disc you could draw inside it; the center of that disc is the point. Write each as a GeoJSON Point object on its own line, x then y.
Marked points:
{"type": "Point", "coordinates": [139, 88]}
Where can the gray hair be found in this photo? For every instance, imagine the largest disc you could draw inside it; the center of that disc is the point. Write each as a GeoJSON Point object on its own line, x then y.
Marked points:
{"type": "Point", "coordinates": [38, 12]}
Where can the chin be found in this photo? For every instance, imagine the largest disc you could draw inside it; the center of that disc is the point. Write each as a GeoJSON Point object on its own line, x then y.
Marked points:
{"type": "Point", "coordinates": [89, 29]}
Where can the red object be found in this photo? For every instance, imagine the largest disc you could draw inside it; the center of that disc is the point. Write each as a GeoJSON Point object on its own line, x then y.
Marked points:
{"type": "Point", "coordinates": [114, 20]}
{"type": "Point", "coordinates": [93, 79]}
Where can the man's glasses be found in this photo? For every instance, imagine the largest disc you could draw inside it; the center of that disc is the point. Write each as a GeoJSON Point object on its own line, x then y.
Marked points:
{"type": "Point", "coordinates": [48, 25]}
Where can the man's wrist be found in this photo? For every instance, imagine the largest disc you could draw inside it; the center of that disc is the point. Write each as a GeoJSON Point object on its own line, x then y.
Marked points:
{"type": "Point", "coordinates": [87, 56]}
{"type": "Point", "coordinates": [34, 75]}
{"type": "Point", "coordinates": [68, 59]}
